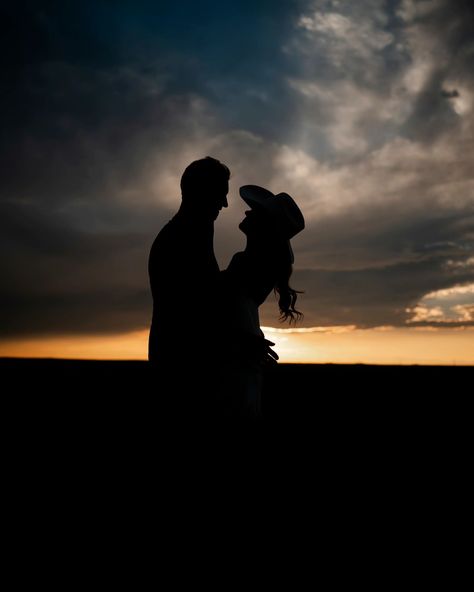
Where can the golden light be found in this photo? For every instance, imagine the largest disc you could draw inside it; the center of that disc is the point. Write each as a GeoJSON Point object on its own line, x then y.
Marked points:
{"type": "Point", "coordinates": [341, 344]}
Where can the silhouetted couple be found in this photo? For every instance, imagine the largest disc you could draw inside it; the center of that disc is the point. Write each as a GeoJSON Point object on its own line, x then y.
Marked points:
{"type": "Point", "coordinates": [205, 338]}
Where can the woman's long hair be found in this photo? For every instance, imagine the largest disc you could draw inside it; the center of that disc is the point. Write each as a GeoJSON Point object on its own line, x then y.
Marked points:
{"type": "Point", "coordinates": [287, 296]}
{"type": "Point", "coordinates": [274, 261]}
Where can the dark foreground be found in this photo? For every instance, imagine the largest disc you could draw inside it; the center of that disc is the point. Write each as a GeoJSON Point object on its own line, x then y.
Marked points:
{"type": "Point", "coordinates": [112, 414]}
{"type": "Point", "coordinates": [362, 458]}
{"type": "Point", "coordinates": [340, 401]}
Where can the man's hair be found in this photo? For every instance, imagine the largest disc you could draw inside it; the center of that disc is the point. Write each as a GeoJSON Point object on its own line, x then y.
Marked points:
{"type": "Point", "coordinates": [203, 176]}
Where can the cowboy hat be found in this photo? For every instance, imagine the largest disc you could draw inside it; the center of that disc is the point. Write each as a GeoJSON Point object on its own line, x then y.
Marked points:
{"type": "Point", "coordinates": [281, 209]}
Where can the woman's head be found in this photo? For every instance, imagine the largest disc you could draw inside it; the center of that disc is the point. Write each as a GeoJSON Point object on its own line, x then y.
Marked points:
{"type": "Point", "coordinates": [279, 211]}
{"type": "Point", "coordinates": [273, 257]}
{"type": "Point", "coordinates": [269, 225]}
{"type": "Point", "coordinates": [256, 225]}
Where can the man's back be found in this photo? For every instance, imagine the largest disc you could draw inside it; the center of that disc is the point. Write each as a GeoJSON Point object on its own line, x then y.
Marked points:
{"type": "Point", "coordinates": [182, 269]}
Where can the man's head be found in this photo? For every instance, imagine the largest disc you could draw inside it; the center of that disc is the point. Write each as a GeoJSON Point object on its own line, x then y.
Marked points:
{"type": "Point", "coordinates": [205, 185]}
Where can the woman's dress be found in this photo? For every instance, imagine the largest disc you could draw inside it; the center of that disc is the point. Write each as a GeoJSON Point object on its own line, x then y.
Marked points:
{"type": "Point", "coordinates": [240, 376]}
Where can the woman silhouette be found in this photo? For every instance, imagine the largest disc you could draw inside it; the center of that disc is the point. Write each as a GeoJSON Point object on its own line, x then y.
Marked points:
{"type": "Point", "coordinates": [264, 265]}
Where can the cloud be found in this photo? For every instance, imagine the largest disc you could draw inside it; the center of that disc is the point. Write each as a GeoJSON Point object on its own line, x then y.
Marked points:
{"type": "Point", "coordinates": [333, 330]}
{"type": "Point", "coordinates": [382, 170]}
{"type": "Point", "coordinates": [363, 111]}
{"type": "Point", "coordinates": [451, 305]}
{"type": "Point", "coordinates": [366, 297]}
{"type": "Point", "coordinates": [342, 35]}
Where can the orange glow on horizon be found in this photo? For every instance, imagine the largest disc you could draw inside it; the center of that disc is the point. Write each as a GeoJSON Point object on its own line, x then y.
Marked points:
{"type": "Point", "coordinates": [125, 346]}
{"type": "Point", "coordinates": [381, 345]}
{"type": "Point", "coordinates": [343, 345]}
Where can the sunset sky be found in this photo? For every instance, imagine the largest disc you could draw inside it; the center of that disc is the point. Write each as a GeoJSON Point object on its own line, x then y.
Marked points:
{"type": "Point", "coordinates": [362, 111]}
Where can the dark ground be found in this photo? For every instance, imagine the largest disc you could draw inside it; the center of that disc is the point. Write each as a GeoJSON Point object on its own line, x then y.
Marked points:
{"type": "Point", "coordinates": [371, 462]}
{"type": "Point", "coordinates": [338, 422]}
{"type": "Point", "coordinates": [341, 402]}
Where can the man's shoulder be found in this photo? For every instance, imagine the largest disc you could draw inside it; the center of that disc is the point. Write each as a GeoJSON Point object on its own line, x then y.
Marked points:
{"type": "Point", "coordinates": [166, 234]}
{"type": "Point", "coordinates": [170, 244]}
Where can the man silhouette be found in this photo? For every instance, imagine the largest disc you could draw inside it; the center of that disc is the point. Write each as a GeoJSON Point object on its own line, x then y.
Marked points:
{"type": "Point", "coordinates": [183, 273]}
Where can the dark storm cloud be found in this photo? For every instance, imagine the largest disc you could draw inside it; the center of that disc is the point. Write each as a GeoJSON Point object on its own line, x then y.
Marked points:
{"type": "Point", "coordinates": [391, 123]}
{"type": "Point", "coordinates": [104, 103]}
{"type": "Point", "coordinates": [84, 81]}
{"type": "Point", "coordinates": [454, 21]}
{"type": "Point", "coordinates": [95, 97]}
{"type": "Point", "coordinates": [370, 297]}
{"type": "Point", "coordinates": [451, 24]}
{"type": "Point", "coordinates": [229, 53]}
{"type": "Point", "coordinates": [370, 267]}
{"type": "Point", "coordinates": [379, 57]}
{"type": "Point", "coordinates": [432, 115]}
{"type": "Point", "coordinates": [59, 279]}
{"type": "Point", "coordinates": [380, 236]}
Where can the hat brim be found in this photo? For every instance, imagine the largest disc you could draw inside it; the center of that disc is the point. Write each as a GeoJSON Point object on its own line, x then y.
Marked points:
{"type": "Point", "coordinates": [255, 195]}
